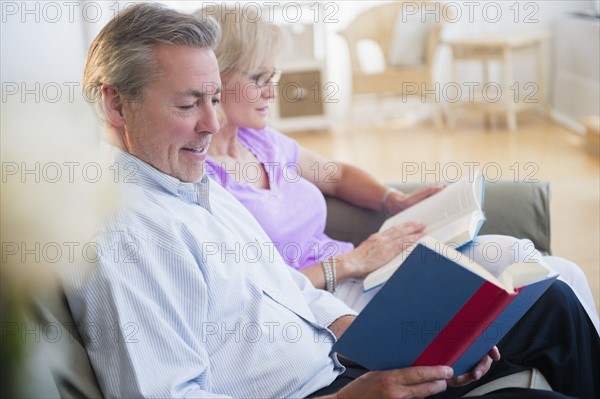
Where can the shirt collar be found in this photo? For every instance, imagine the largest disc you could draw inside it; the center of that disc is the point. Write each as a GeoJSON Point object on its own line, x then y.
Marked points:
{"type": "Point", "coordinates": [126, 168]}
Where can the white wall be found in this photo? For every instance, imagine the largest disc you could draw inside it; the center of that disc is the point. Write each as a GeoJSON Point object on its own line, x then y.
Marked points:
{"type": "Point", "coordinates": [44, 43]}
{"type": "Point", "coordinates": [47, 41]}
{"type": "Point", "coordinates": [576, 78]}
{"type": "Point", "coordinates": [43, 51]}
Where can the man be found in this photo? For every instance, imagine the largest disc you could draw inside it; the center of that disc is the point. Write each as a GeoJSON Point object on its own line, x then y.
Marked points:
{"type": "Point", "coordinates": [187, 298]}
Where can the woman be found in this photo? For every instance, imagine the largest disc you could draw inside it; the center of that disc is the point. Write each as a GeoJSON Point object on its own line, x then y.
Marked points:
{"type": "Point", "coordinates": [261, 166]}
{"type": "Point", "coordinates": [282, 183]}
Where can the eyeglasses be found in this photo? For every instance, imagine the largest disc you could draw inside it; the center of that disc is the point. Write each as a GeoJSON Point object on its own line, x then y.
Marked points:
{"type": "Point", "coordinates": [265, 78]}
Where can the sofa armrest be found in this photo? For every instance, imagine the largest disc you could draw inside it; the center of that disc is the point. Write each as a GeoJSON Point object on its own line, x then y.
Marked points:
{"type": "Point", "coordinates": [520, 210]}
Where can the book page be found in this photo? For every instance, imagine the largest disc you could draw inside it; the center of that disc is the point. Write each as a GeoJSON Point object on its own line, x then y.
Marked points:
{"type": "Point", "coordinates": [514, 276]}
{"type": "Point", "coordinates": [463, 260]}
{"type": "Point", "coordinates": [452, 216]}
{"type": "Point", "coordinates": [523, 273]}
{"type": "Point", "coordinates": [382, 274]}
{"type": "Point", "coordinates": [452, 203]}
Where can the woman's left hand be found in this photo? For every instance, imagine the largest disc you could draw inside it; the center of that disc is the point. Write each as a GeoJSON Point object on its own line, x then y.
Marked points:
{"type": "Point", "coordinates": [398, 201]}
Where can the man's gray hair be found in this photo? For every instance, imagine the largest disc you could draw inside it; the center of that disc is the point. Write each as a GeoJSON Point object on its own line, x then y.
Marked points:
{"type": "Point", "coordinates": [122, 56]}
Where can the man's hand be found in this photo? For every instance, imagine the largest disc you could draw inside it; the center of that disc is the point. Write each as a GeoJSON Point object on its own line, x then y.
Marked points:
{"type": "Point", "coordinates": [411, 382]}
{"type": "Point", "coordinates": [478, 371]}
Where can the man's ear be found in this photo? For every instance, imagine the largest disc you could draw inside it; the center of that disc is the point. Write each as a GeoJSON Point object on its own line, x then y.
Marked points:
{"type": "Point", "coordinates": [112, 102]}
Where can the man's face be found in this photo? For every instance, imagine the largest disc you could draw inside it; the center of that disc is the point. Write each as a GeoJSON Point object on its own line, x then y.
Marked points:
{"type": "Point", "coordinates": [172, 126]}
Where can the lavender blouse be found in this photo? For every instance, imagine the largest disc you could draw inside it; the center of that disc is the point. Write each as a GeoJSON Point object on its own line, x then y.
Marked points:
{"type": "Point", "coordinates": [292, 211]}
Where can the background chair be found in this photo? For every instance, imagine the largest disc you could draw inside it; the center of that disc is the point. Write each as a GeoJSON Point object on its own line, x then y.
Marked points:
{"type": "Point", "coordinates": [380, 25]}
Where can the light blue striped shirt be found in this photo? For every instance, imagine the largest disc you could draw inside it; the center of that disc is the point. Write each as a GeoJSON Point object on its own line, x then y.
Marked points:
{"type": "Point", "coordinates": [188, 298]}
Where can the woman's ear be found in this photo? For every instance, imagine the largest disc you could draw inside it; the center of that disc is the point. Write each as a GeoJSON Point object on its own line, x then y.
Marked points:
{"type": "Point", "coordinates": [112, 102]}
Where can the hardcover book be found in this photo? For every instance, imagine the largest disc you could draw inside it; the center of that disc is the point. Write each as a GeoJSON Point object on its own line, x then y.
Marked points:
{"type": "Point", "coordinates": [440, 308]}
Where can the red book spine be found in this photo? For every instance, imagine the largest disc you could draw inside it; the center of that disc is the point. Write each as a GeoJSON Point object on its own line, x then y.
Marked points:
{"type": "Point", "coordinates": [466, 326]}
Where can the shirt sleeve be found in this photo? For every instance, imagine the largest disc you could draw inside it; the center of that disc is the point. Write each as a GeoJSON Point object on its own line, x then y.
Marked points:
{"type": "Point", "coordinates": [135, 318]}
{"type": "Point", "coordinates": [325, 307]}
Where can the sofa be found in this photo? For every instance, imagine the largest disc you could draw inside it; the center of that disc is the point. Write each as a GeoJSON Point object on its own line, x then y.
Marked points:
{"type": "Point", "coordinates": [57, 365]}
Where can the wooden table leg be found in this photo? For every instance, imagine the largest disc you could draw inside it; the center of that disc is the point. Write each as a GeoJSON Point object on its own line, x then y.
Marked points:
{"type": "Point", "coordinates": [539, 64]}
{"type": "Point", "coordinates": [509, 101]}
{"type": "Point", "coordinates": [486, 79]}
{"type": "Point", "coordinates": [451, 119]}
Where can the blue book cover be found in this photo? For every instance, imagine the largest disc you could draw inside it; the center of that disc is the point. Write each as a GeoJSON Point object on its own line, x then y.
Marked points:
{"type": "Point", "coordinates": [433, 310]}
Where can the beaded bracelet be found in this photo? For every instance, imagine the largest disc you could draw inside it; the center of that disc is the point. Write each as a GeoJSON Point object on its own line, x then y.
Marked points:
{"type": "Point", "coordinates": [329, 268]}
{"type": "Point", "coordinates": [384, 207]}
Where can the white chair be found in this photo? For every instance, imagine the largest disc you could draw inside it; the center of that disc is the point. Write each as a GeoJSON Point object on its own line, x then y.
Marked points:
{"type": "Point", "coordinates": [380, 25]}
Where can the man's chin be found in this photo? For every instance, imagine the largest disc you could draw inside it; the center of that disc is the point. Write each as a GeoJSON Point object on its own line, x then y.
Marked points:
{"type": "Point", "coordinates": [195, 178]}
{"type": "Point", "coordinates": [191, 175]}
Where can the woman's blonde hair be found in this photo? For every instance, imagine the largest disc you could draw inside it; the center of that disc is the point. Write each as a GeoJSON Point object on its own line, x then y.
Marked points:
{"type": "Point", "coordinates": [248, 41]}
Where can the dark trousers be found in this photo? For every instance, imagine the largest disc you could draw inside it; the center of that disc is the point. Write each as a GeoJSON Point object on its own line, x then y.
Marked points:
{"type": "Point", "coordinates": [555, 336]}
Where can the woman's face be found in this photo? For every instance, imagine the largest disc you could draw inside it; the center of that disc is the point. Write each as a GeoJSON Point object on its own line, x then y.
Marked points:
{"type": "Point", "coordinates": [245, 97]}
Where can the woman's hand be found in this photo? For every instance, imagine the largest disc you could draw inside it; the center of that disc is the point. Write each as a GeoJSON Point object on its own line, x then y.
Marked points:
{"type": "Point", "coordinates": [378, 249]}
{"type": "Point", "coordinates": [397, 201]}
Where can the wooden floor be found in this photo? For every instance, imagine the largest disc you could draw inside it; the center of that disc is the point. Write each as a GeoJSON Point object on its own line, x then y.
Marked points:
{"type": "Point", "coordinates": [395, 150]}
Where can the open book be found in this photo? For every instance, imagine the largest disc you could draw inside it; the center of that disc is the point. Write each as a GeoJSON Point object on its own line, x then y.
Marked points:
{"type": "Point", "coordinates": [453, 216]}
{"type": "Point", "coordinates": [441, 308]}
